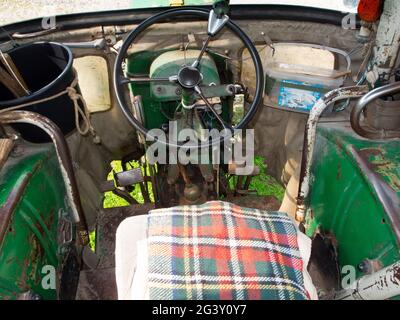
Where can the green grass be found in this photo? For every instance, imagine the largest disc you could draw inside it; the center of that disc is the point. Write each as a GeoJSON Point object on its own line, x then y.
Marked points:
{"type": "Point", "coordinates": [92, 240]}
{"type": "Point", "coordinates": [264, 184]}
{"type": "Point", "coordinates": [111, 200]}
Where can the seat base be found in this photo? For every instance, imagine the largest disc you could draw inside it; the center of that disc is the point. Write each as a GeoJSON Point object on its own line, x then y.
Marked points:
{"type": "Point", "coordinates": [132, 255]}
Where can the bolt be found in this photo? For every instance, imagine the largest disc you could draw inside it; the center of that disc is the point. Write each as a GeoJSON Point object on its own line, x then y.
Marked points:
{"type": "Point", "coordinates": [178, 91]}
{"type": "Point", "coordinates": [165, 127]}
{"type": "Point", "coordinates": [365, 266]}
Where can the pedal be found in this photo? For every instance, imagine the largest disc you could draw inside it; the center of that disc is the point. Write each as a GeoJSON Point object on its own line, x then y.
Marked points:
{"type": "Point", "coordinates": [123, 179]}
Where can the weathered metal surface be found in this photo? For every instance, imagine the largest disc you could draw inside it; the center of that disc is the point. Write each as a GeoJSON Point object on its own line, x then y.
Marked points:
{"type": "Point", "coordinates": [310, 136]}
{"type": "Point", "coordinates": [64, 159]}
{"type": "Point", "coordinates": [384, 284]}
{"type": "Point", "coordinates": [6, 146]}
{"type": "Point", "coordinates": [363, 103]}
{"type": "Point", "coordinates": [323, 265]}
{"type": "Point", "coordinates": [157, 112]}
{"type": "Point", "coordinates": [7, 209]}
{"type": "Point", "coordinates": [32, 191]}
{"type": "Point", "coordinates": [387, 39]}
{"type": "Point", "coordinates": [386, 195]}
{"type": "Point", "coordinates": [354, 195]}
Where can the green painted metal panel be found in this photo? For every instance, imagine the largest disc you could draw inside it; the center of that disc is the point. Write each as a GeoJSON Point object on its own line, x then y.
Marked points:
{"type": "Point", "coordinates": [30, 241]}
{"type": "Point", "coordinates": [156, 112]}
{"type": "Point", "coordinates": [342, 200]}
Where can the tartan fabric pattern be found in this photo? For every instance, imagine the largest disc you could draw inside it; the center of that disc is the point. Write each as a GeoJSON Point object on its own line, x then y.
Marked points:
{"type": "Point", "coordinates": [219, 250]}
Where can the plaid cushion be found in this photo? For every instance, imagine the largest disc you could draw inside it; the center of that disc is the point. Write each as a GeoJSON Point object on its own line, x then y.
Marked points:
{"type": "Point", "coordinates": [222, 251]}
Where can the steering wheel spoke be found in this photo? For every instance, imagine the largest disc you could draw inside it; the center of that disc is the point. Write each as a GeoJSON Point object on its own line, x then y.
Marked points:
{"type": "Point", "coordinates": [211, 108]}
{"type": "Point", "coordinates": [215, 24]}
{"type": "Point", "coordinates": [196, 63]}
{"type": "Point", "coordinates": [145, 79]}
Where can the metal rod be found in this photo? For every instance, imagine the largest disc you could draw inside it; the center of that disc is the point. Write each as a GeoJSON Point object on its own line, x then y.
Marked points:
{"type": "Point", "coordinates": [143, 79]}
{"type": "Point", "coordinates": [310, 136]}
{"type": "Point", "coordinates": [202, 51]}
{"type": "Point", "coordinates": [18, 35]}
{"type": "Point", "coordinates": [64, 159]}
{"type": "Point", "coordinates": [200, 93]}
{"type": "Point", "coordinates": [381, 285]}
{"type": "Point", "coordinates": [363, 103]}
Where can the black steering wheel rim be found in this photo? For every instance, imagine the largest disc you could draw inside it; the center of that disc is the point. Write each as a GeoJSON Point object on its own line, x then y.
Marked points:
{"type": "Point", "coordinates": [161, 17]}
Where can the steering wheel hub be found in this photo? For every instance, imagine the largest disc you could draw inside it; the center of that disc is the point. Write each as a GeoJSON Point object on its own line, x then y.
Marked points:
{"type": "Point", "coordinates": [189, 77]}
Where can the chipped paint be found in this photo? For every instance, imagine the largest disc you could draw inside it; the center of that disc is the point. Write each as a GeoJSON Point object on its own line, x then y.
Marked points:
{"type": "Point", "coordinates": [378, 162]}
{"type": "Point", "coordinates": [64, 160]}
{"type": "Point", "coordinates": [310, 136]}
{"type": "Point", "coordinates": [381, 285]}
{"type": "Point", "coordinates": [387, 38]}
{"type": "Point", "coordinates": [384, 193]}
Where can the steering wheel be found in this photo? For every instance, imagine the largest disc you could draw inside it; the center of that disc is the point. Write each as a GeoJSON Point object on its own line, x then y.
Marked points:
{"type": "Point", "coordinates": [188, 77]}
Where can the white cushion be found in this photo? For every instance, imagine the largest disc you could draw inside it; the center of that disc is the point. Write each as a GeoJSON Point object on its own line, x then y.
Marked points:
{"type": "Point", "coordinates": [131, 260]}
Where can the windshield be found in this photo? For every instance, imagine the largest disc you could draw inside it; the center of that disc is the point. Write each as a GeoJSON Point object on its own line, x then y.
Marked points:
{"type": "Point", "coordinates": [19, 10]}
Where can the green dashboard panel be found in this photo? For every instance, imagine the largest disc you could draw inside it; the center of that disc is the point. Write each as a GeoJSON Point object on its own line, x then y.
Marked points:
{"type": "Point", "coordinates": [158, 110]}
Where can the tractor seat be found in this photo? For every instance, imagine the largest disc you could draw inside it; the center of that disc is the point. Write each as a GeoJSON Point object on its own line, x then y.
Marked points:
{"type": "Point", "coordinates": [217, 250]}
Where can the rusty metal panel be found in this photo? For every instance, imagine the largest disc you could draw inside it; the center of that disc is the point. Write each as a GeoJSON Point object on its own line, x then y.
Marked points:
{"type": "Point", "coordinates": [31, 195]}
{"type": "Point", "coordinates": [355, 196]}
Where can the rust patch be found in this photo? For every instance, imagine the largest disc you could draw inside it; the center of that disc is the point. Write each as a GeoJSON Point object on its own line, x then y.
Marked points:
{"type": "Point", "coordinates": [50, 221]}
{"type": "Point", "coordinates": [396, 274]}
{"type": "Point", "coordinates": [375, 159]}
{"type": "Point", "coordinates": [39, 227]}
{"type": "Point", "coordinates": [385, 192]}
{"type": "Point", "coordinates": [339, 171]}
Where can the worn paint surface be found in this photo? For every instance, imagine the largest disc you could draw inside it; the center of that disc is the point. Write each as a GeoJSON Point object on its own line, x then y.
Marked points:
{"type": "Point", "coordinates": [310, 137]}
{"type": "Point", "coordinates": [344, 200]}
{"type": "Point", "coordinates": [30, 238]}
{"type": "Point", "coordinates": [157, 112]}
{"type": "Point", "coordinates": [387, 38]}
